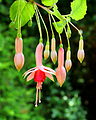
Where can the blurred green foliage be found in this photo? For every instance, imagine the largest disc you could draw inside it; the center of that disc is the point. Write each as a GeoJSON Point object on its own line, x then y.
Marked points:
{"type": "Point", "coordinates": [17, 97]}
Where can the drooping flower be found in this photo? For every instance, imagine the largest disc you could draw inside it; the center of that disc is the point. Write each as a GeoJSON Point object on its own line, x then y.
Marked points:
{"type": "Point", "coordinates": [19, 57]}
{"type": "Point", "coordinates": [60, 71]}
{"type": "Point", "coordinates": [46, 51]}
{"type": "Point", "coordinates": [81, 53]}
{"type": "Point", "coordinates": [19, 60]}
{"type": "Point", "coordinates": [68, 62]}
{"type": "Point", "coordinates": [53, 51]}
{"type": "Point", "coordinates": [18, 45]}
{"type": "Point", "coordinates": [39, 73]}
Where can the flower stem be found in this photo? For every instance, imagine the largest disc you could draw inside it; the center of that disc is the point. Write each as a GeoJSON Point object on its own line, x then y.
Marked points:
{"type": "Point", "coordinates": [67, 39]}
{"type": "Point", "coordinates": [38, 23]}
{"type": "Point", "coordinates": [43, 24]}
{"type": "Point", "coordinates": [51, 26]}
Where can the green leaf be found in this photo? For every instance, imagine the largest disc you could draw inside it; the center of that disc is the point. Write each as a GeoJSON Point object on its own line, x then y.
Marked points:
{"type": "Point", "coordinates": [49, 2]}
{"type": "Point", "coordinates": [57, 13]}
{"type": "Point", "coordinates": [78, 9]}
{"type": "Point", "coordinates": [59, 26]}
{"type": "Point", "coordinates": [25, 12]}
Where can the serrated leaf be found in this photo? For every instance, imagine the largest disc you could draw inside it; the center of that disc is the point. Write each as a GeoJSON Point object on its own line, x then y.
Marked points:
{"type": "Point", "coordinates": [59, 26]}
{"type": "Point", "coordinates": [26, 12]}
{"type": "Point", "coordinates": [49, 2]}
{"type": "Point", "coordinates": [78, 9]}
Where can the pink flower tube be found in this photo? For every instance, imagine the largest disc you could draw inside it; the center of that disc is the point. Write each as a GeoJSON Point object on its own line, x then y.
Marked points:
{"type": "Point", "coordinates": [60, 71]}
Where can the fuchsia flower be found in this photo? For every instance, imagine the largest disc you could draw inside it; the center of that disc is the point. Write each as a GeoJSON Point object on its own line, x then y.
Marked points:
{"type": "Point", "coordinates": [60, 71]}
{"type": "Point", "coordinates": [19, 57]}
{"type": "Point", "coordinates": [39, 73]}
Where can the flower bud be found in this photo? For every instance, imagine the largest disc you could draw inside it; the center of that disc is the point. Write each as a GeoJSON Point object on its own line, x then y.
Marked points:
{"type": "Point", "coordinates": [68, 62]}
{"type": "Point", "coordinates": [19, 60]}
{"type": "Point", "coordinates": [60, 71]}
{"type": "Point", "coordinates": [60, 75]}
{"type": "Point", "coordinates": [68, 65]}
{"type": "Point", "coordinates": [53, 51]}
{"type": "Point", "coordinates": [54, 56]}
{"type": "Point", "coordinates": [46, 51]}
{"type": "Point", "coordinates": [18, 45]}
{"type": "Point", "coordinates": [81, 44]}
{"type": "Point", "coordinates": [53, 44]}
{"type": "Point", "coordinates": [80, 55]}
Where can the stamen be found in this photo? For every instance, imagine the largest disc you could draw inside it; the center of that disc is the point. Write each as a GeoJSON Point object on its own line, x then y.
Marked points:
{"type": "Point", "coordinates": [39, 95]}
{"type": "Point", "coordinates": [36, 103]}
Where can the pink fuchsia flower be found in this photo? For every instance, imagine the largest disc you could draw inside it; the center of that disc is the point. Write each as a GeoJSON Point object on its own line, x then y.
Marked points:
{"type": "Point", "coordinates": [19, 60]}
{"type": "Point", "coordinates": [39, 73]}
{"type": "Point", "coordinates": [19, 57]}
{"type": "Point", "coordinates": [60, 71]}
{"type": "Point", "coordinates": [18, 45]}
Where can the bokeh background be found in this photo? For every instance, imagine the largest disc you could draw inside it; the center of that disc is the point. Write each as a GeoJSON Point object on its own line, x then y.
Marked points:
{"type": "Point", "coordinates": [76, 100]}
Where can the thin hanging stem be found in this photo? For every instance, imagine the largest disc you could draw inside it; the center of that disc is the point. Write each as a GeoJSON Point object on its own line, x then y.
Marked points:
{"type": "Point", "coordinates": [38, 23]}
{"type": "Point", "coordinates": [60, 39]}
{"type": "Point", "coordinates": [56, 25]}
{"type": "Point", "coordinates": [75, 28]}
{"type": "Point", "coordinates": [44, 24]}
{"type": "Point", "coordinates": [19, 20]}
{"type": "Point", "coordinates": [67, 39]}
{"type": "Point", "coordinates": [51, 26]}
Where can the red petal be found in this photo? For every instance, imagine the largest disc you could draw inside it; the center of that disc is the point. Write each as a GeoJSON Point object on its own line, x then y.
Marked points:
{"type": "Point", "coordinates": [39, 76]}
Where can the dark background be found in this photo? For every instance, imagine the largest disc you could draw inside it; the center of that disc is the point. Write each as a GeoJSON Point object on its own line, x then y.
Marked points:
{"type": "Point", "coordinates": [76, 100]}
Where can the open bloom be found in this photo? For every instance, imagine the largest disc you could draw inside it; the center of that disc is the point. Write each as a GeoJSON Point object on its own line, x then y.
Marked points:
{"type": "Point", "coordinates": [60, 71]}
{"type": "Point", "coordinates": [39, 73]}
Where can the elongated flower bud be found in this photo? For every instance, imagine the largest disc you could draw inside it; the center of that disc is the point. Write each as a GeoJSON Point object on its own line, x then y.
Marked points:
{"type": "Point", "coordinates": [53, 44]}
{"type": "Point", "coordinates": [68, 62]}
{"type": "Point", "coordinates": [60, 71]}
{"type": "Point", "coordinates": [46, 51]}
{"type": "Point", "coordinates": [53, 51]}
{"type": "Point", "coordinates": [81, 45]}
{"type": "Point", "coordinates": [38, 54]}
{"type": "Point", "coordinates": [80, 53]}
{"type": "Point", "coordinates": [19, 60]}
{"type": "Point", "coordinates": [61, 75]}
{"type": "Point", "coordinates": [68, 65]}
{"type": "Point", "coordinates": [54, 56]}
{"type": "Point", "coordinates": [18, 45]}
{"type": "Point", "coordinates": [60, 57]}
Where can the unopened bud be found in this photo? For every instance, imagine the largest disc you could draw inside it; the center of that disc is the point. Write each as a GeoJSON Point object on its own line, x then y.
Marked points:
{"type": "Point", "coordinates": [68, 65]}
{"type": "Point", "coordinates": [54, 56]}
{"type": "Point", "coordinates": [18, 45]}
{"type": "Point", "coordinates": [46, 51]}
{"type": "Point", "coordinates": [60, 71]}
{"type": "Point", "coordinates": [68, 62]}
{"type": "Point", "coordinates": [81, 45]}
{"type": "Point", "coordinates": [53, 44]}
{"type": "Point", "coordinates": [61, 75]}
{"type": "Point", "coordinates": [19, 60]}
{"type": "Point", "coordinates": [80, 55]}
